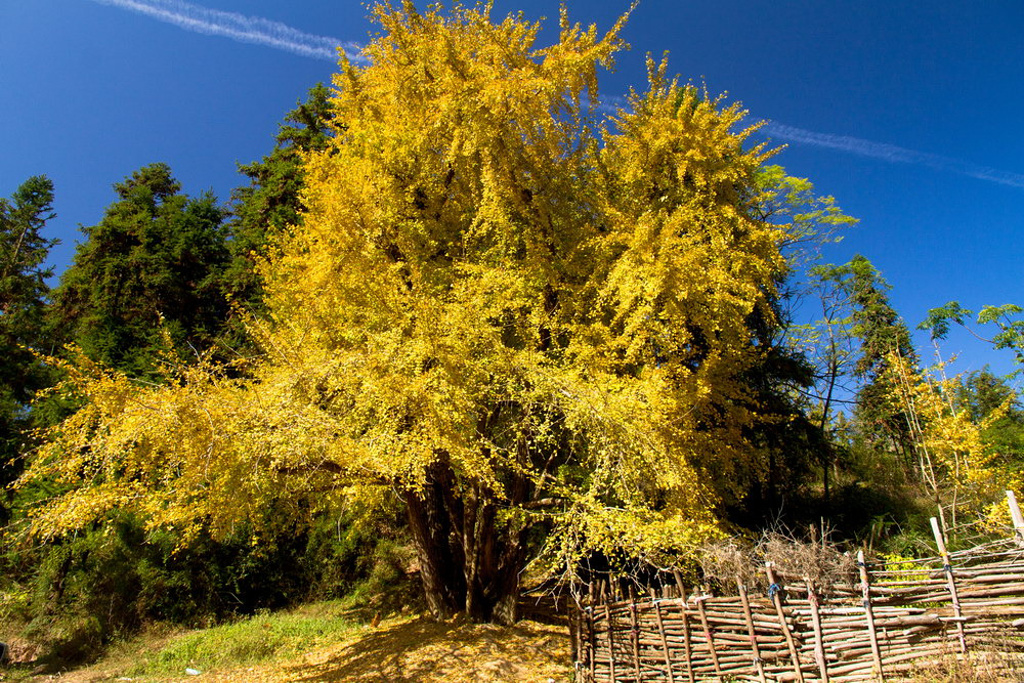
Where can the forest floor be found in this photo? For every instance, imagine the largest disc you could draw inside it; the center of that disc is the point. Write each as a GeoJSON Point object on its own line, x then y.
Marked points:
{"type": "Point", "coordinates": [399, 648]}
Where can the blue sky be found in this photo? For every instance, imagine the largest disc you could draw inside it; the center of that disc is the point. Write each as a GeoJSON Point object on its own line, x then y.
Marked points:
{"type": "Point", "coordinates": [909, 113]}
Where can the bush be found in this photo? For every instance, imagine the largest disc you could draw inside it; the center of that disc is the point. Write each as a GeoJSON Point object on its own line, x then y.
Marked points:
{"type": "Point", "coordinates": [77, 594]}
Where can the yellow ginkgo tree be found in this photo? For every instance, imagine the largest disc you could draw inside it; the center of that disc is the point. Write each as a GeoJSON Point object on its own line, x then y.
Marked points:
{"type": "Point", "coordinates": [524, 318]}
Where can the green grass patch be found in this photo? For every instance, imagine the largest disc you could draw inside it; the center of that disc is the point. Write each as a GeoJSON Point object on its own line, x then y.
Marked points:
{"type": "Point", "coordinates": [253, 640]}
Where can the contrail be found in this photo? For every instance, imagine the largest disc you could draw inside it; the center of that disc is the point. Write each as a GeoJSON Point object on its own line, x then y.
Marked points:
{"type": "Point", "coordinates": [864, 148]}
{"type": "Point", "coordinates": [260, 31]}
{"type": "Point", "coordinates": [892, 153]}
{"type": "Point", "coordinates": [255, 30]}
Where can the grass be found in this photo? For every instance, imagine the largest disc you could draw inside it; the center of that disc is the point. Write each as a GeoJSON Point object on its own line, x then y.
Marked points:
{"type": "Point", "coordinates": [161, 652]}
{"type": "Point", "coordinates": [982, 667]}
{"type": "Point", "coordinates": [335, 641]}
{"type": "Point", "coordinates": [331, 642]}
{"type": "Point", "coordinates": [254, 640]}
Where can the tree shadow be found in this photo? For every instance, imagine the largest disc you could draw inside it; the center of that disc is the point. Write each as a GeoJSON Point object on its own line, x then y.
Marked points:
{"type": "Point", "coordinates": [424, 649]}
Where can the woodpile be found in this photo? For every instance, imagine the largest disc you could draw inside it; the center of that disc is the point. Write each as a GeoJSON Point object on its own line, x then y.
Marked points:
{"type": "Point", "coordinates": [880, 620]}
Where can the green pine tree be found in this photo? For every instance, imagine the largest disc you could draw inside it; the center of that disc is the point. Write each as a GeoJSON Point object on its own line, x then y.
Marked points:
{"type": "Point", "coordinates": [981, 394]}
{"type": "Point", "coordinates": [23, 295]}
{"type": "Point", "coordinates": [156, 255]}
{"type": "Point", "coordinates": [881, 331]}
{"type": "Point", "coordinates": [271, 203]}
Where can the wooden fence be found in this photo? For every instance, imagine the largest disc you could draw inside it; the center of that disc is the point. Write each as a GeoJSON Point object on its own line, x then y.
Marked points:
{"type": "Point", "coordinates": [881, 621]}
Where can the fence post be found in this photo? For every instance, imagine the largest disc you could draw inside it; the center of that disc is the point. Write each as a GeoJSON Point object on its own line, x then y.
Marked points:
{"type": "Point", "coordinates": [679, 583]}
{"type": "Point", "coordinates": [611, 640]}
{"type": "Point", "coordinates": [707, 632]}
{"type": "Point", "coordinates": [687, 641]}
{"type": "Point", "coordinates": [591, 635]}
{"type": "Point", "coordinates": [664, 643]}
{"type": "Point", "coordinates": [575, 619]}
{"type": "Point", "coordinates": [773, 593]}
{"type": "Point", "coordinates": [819, 637]}
{"type": "Point", "coordinates": [1018, 519]}
{"type": "Point", "coordinates": [865, 587]}
{"type": "Point", "coordinates": [758, 662]}
{"type": "Point", "coordinates": [592, 659]}
{"type": "Point", "coordinates": [947, 569]}
{"type": "Point", "coordinates": [635, 626]}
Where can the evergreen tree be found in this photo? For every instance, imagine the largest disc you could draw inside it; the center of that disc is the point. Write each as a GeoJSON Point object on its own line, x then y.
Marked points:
{"type": "Point", "coordinates": [982, 394]}
{"type": "Point", "coordinates": [157, 254]}
{"type": "Point", "coordinates": [23, 294]}
{"type": "Point", "coordinates": [271, 204]}
{"type": "Point", "coordinates": [858, 312]}
{"type": "Point", "coordinates": [881, 331]}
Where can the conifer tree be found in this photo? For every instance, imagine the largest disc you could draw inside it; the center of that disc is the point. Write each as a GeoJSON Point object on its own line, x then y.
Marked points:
{"type": "Point", "coordinates": [157, 255]}
{"type": "Point", "coordinates": [983, 394]}
{"type": "Point", "coordinates": [271, 204]}
{"type": "Point", "coordinates": [23, 296]}
{"type": "Point", "coordinates": [881, 332]}
{"type": "Point", "coordinates": [859, 311]}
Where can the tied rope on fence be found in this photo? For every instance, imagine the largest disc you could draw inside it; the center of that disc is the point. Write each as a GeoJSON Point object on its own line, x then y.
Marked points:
{"type": "Point", "coordinates": [880, 622]}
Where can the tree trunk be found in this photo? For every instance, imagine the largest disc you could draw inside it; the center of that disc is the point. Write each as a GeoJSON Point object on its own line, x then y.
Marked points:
{"type": "Point", "coordinates": [430, 525]}
{"type": "Point", "coordinates": [493, 562]}
{"type": "Point", "coordinates": [467, 563]}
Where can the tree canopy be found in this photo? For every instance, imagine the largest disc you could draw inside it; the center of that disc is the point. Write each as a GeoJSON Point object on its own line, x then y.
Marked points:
{"type": "Point", "coordinates": [512, 312]}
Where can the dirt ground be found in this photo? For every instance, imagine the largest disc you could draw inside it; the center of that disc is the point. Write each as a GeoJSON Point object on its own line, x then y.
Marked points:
{"type": "Point", "coordinates": [402, 649]}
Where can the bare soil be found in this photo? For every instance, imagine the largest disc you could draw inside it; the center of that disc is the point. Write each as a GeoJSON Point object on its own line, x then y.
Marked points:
{"type": "Point", "coordinates": [397, 649]}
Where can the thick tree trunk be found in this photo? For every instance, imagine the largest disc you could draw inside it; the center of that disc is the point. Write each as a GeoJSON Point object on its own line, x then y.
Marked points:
{"type": "Point", "coordinates": [493, 562]}
{"type": "Point", "coordinates": [440, 568]}
{"type": "Point", "coordinates": [467, 563]}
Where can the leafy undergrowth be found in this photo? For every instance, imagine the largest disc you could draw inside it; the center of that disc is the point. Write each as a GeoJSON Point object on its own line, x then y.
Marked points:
{"type": "Point", "coordinates": [328, 642]}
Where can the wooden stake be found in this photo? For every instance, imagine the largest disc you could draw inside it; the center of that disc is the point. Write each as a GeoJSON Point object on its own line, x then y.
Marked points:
{"type": "Point", "coordinates": [575, 631]}
{"type": "Point", "coordinates": [773, 590]}
{"type": "Point", "coordinates": [591, 635]}
{"type": "Point", "coordinates": [707, 634]}
{"type": "Point", "coordinates": [635, 633]}
{"type": "Point", "coordinates": [687, 636]}
{"type": "Point", "coordinates": [679, 582]}
{"type": "Point", "coordinates": [1015, 514]}
{"type": "Point", "coordinates": [758, 662]}
{"type": "Point", "coordinates": [947, 568]}
{"type": "Point", "coordinates": [664, 644]}
{"type": "Point", "coordinates": [865, 587]}
{"type": "Point", "coordinates": [611, 640]}
{"type": "Point", "coordinates": [819, 642]}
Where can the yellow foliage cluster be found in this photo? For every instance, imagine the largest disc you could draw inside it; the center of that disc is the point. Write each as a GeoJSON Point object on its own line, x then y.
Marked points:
{"type": "Point", "coordinates": [489, 273]}
{"type": "Point", "coordinates": [951, 456]}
